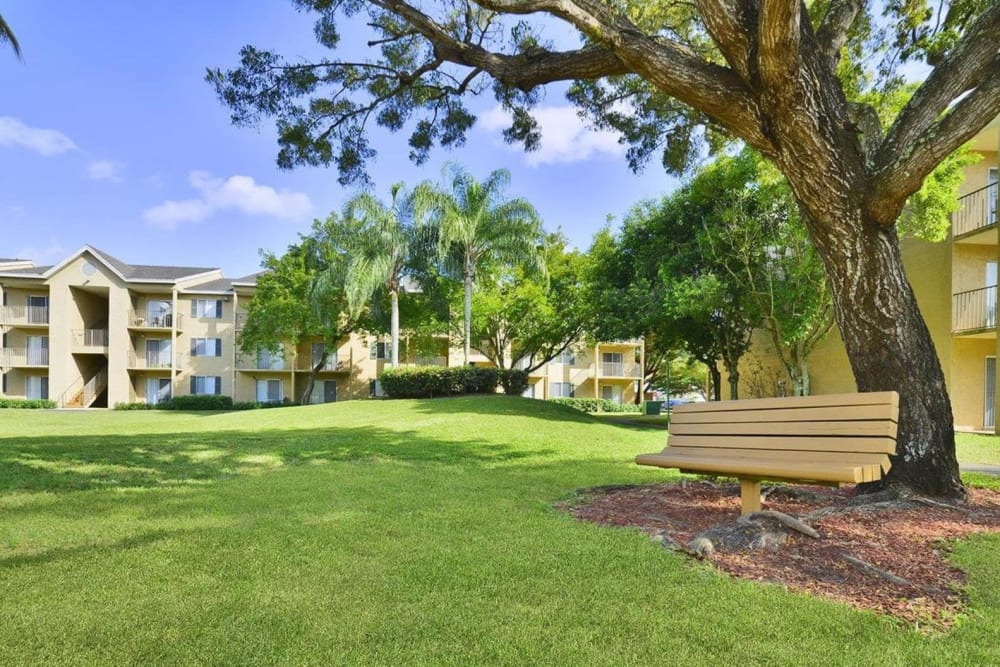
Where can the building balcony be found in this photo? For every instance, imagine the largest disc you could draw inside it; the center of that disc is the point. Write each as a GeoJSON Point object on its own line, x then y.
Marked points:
{"type": "Point", "coordinates": [430, 361]}
{"type": "Point", "coordinates": [332, 365]}
{"type": "Point", "coordinates": [25, 316]}
{"type": "Point", "coordinates": [264, 362]}
{"type": "Point", "coordinates": [977, 211]}
{"type": "Point", "coordinates": [148, 322]}
{"type": "Point", "coordinates": [150, 361]}
{"type": "Point", "coordinates": [974, 311]}
{"type": "Point", "coordinates": [90, 341]}
{"type": "Point", "coordinates": [611, 369]}
{"type": "Point", "coordinates": [20, 357]}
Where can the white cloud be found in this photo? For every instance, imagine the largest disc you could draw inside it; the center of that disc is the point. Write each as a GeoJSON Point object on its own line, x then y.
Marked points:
{"type": "Point", "coordinates": [44, 142]}
{"type": "Point", "coordinates": [238, 192]}
{"type": "Point", "coordinates": [566, 138]}
{"type": "Point", "coordinates": [105, 170]}
{"type": "Point", "coordinates": [50, 254]}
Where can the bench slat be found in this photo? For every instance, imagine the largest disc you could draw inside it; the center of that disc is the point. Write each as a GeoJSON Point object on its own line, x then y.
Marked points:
{"type": "Point", "coordinates": [884, 445]}
{"type": "Point", "coordinates": [818, 401]}
{"type": "Point", "coordinates": [845, 428]}
{"type": "Point", "coordinates": [801, 414]}
{"type": "Point", "coordinates": [760, 469]}
{"type": "Point", "coordinates": [844, 458]}
{"type": "Point", "coordinates": [872, 470]}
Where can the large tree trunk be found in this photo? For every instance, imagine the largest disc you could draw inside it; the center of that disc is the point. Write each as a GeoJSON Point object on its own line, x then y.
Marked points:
{"type": "Point", "coordinates": [890, 348]}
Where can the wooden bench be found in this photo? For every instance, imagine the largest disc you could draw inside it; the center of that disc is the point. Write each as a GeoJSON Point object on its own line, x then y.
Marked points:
{"type": "Point", "coordinates": [829, 440]}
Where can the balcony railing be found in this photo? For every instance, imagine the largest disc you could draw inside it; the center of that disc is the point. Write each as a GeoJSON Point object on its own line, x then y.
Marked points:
{"type": "Point", "coordinates": [431, 361]}
{"type": "Point", "coordinates": [974, 310]}
{"type": "Point", "coordinates": [149, 360]}
{"type": "Point", "coordinates": [21, 314]}
{"type": "Point", "coordinates": [21, 356]}
{"type": "Point", "coordinates": [263, 362]}
{"type": "Point", "coordinates": [332, 365]}
{"type": "Point", "coordinates": [159, 321]}
{"type": "Point", "coordinates": [90, 339]}
{"type": "Point", "coordinates": [977, 210]}
{"type": "Point", "coordinates": [619, 369]}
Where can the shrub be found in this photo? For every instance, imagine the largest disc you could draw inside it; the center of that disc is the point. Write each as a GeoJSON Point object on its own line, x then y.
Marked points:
{"type": "Point", "coordinates": [134, 406]}
{"type": "Point", "coordinates": [259, 405]}
{"type": "Point", "coordinates": [27, 404]}
{"type": "Point", "coordinates": [514, 381]}
{"type": "Point", "coordinates": [433, 381]}
{"type": "Point", "coordinates": [596, 405]}
{"type": "Point", "coordinates": [200, 402]}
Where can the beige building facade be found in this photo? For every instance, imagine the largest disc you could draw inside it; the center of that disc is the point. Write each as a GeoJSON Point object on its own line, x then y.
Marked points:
{"type": "Point", "coordinates": [94, 331]}
{"type": "Point", "coordinates": [955, 282]}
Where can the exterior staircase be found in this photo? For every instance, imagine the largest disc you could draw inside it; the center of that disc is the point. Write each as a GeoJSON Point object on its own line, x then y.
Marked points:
{"type": "Point", "coordinates": [83, 394]}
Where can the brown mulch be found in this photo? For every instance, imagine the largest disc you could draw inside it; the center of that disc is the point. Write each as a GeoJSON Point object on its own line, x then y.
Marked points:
{"type": "Point", "coordinates": [906, 539]}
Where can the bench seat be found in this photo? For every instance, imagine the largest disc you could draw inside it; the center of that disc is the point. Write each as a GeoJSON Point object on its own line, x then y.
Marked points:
{"type": "Point", "coordinates": [834, 439]}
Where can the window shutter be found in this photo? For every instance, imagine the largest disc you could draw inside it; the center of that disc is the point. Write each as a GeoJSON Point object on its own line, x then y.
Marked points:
{"type": "Point", "coordinates": [374, 353]}
{"type": "Point", "coordinates": [194, 307]}
{"type": "Point", "coordinates": [194, 385]}
{"type": "Point", "coordinates": [194, 347]}
{"type": "Point", "coordinates": [218, 347]}
{"type": "Point", "coordinates": [218, 385]}
{"type": "Point", "coordinates": [218, 309]}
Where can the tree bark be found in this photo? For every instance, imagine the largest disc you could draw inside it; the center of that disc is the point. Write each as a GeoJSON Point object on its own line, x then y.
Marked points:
{"type": "Point", "coordinates": [890, 348]}
{"type": "Point", "coordinates": [468, 314]}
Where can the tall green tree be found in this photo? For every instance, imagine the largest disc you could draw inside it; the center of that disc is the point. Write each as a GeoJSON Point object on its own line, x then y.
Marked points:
{"type": "Point", "coordinates": [7, 35]}
{"type": "Point", "coordinates": [301, 296]}
{"type": "Point", "coordinates": [528, 318]}
{"type": "Point", "coordinates": [786, 78]}
{"type": "Point", "coordinates": [480, 230]}
{"type": "Point", "coordinates": [389, 236]}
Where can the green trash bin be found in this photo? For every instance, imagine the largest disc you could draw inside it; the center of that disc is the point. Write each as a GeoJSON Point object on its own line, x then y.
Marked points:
{"type": "Point", "coordinates": [654, 407]}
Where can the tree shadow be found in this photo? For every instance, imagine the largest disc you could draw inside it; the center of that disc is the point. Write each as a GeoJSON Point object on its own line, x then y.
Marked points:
{"type": "Point", "coordinates": [75, 463]}
{"type": "Point", "coordinates": [58, 553]}
{"type": "Point", "coordinates": [502, 405]}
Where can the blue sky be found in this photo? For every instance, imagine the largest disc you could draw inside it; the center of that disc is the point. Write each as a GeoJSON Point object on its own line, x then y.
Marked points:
{"type": "Point", "coordinates": [109, 136]}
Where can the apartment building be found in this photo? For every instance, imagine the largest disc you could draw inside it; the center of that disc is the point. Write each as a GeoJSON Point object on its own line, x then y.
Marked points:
{"type": "Point", "coordinates": [93, 331]}
{"type": "Point", "coordinates": [955, 282]}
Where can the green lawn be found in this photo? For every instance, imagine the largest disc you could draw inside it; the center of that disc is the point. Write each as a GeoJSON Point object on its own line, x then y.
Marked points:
{"type": "Point", "coordinates": [395, 532]}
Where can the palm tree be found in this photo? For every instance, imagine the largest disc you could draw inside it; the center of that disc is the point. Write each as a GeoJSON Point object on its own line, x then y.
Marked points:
{"type": "Point", "coordinates": [478, 228]}
{"type": "Point", "coordinates": [388, 237]}
{"type": "Point", "coordinates": [7, 35]}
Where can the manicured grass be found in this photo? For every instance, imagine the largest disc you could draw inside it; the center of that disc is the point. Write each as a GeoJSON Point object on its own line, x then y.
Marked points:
{"type": "Point", "coordinates": [396, 532]}
{"type": "Point", "coordinates": [975, 448]}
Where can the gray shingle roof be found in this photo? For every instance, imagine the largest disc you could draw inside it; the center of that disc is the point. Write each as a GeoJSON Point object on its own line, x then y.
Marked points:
{"type": "Point", "coordinates": [30, 271]}
{"type": "Point", "coordinates": [250, 279]}
{"type": "Point", "coordinates": [5, 260]}
{"type": "Point", "coordinates": [221, 285]}
{"type": "Point", "coordinates": [140, 272]}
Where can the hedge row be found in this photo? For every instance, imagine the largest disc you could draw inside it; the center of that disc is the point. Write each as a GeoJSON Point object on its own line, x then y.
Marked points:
{"type": "Point", "coordinates": [436, 381]}
{"type": "Point", "coordinates": [209, 402]}
{"type": "Point", "coordinates": [596, 405]}
{"type": "Point", "coordinates": [27, 404]}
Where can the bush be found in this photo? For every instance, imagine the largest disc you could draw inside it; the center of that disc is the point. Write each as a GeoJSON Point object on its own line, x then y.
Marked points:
{"type": "Point", "coordinates": [514, 382]}
{"type": "Point", "coordinates": [596, 405]}
{"type": "Point", "coordinates": [259, 405]}
{"type": "Point", "coordinates": [200, 402]}
{"type": "Point", "coordinates": [436, 381]}
{"type": "Point", "coordinates": [135, 406]}
{"type": "Point", "coordinates": [27, 404]}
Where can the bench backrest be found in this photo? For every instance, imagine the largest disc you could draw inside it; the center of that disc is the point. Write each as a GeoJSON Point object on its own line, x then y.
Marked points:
{"type": "Point", "coordinates": [858, 428]}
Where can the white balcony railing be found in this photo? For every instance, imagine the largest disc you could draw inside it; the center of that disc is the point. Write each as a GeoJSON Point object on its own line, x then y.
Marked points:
{"type": "Point", "coordinates": [90, 339]}
{"type": "Point", "coordinates": [974, 310]}
{"type": "Point", "coordinates": [614, 369]}
{"type": "Point", "coordinates": [21, 356]}
{"type": "Point", "coordinates": [149, 360]}
{"type": "Point", "coordinates": [156, 321]}
{"type": "Point", "coordinates": [263, 362]}
{"type": "Point", "coordinates": [21, 314]}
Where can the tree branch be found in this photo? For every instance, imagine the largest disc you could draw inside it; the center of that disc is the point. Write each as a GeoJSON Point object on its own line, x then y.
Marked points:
{"type": "Point", "coordinates": [780, 32]}
{"type": "Point", "coordinates": [729, 23]}
{"type": "Point", "coordinates": [832, 32]}
{"type": "Point", "coordinates": [969, 62]}
{"type": "Point", "coordinates": [896, 181]}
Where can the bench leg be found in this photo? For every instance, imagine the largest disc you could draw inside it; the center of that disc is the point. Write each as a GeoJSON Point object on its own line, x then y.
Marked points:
{"type": "Point", "coordinates": [750, 495]}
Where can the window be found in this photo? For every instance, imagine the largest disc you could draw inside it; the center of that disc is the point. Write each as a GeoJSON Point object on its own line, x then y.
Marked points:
{"type": "Point", "coordinates": [206, 347]}
{"type": "Point", "coordinates": [159, 313]}
{"type": "Point", "coordinates": [375, 389]}
{"type": "Point", "coordinates": [317, 354]}
{"type": "Point", "coordinates": [567, 357]}
{"type": "Point", "coordinates": [270, 361]}
{"type": "Point", "coordinates": [158, 353]}
{"type": "Point", "coordinates": [206, 384]}
{"type": "Point", "coordinates": [157, 390]}
{"type": "Point", "coordinates": [37, 350]}
{"type": "Point", "coordinates": [36, 387]}
{"type": "Point", "coordinates": [562, 390]}
{"type": "Point", "coordinates": [38, 309]}
{"type": "Point", "coordinates": [381, 350]}
{"type": "Point", "coordinates": [207, 308]}
{"type": "Point", "coordinates": [529, 392]}
{"type": "Point", "coordinates": [270, 391]}
{"type": "Point", "coordinates": [3, 384]}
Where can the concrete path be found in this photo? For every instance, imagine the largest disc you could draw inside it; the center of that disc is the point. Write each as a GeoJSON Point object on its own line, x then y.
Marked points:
{"type": "Point", "coordinates": [976, 467]}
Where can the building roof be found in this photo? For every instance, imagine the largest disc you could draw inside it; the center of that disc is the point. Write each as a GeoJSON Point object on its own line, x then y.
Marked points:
{"type": "Point", "coordinates": [220, 285]}
{"type": "Point", "coordinates": [248, 280]}
{"type": "Point", "coordinates": [8, 260]}
{"type": "Point", "coordinates": [135, 273]}
{"type": "Point", "coordinates": [28, 272]}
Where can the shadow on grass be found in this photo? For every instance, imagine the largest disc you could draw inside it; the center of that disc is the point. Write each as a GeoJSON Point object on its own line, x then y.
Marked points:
{"type": "Point", "coordinates": [501, 405]}
{"type": "Point", "coordinates": [157, 460]}
{"type": "Point", "coordinates": [59, 553]}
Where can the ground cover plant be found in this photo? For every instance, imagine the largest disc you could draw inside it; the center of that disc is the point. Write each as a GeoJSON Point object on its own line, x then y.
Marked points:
{"type": "Point", "coordinates": [374, 532]}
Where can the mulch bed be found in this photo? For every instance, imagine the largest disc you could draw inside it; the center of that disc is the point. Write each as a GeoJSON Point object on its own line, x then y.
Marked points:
{"type": "Point", "coordinates": [908, 540]}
